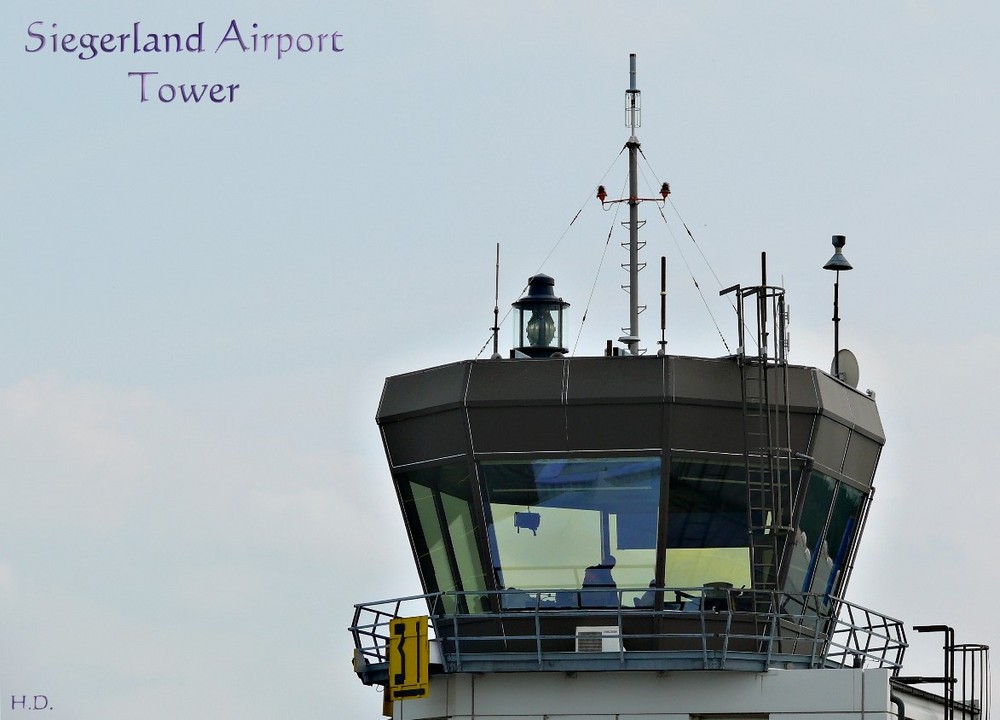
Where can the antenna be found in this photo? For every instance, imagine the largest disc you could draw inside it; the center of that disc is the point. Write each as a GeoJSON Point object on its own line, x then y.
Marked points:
{"type": "Point", "coordinates": [632, 106]}
{"type": "Point", "coordinates": [845, 368]}
{"type": "Point", "coordinates": [837, 263]}
{"type": "Point", "coordinates": [496, 308]}
{"type": "Point", "coordinates": [663, 306]}
{"type": "Point", "coordinates": [633, 120]}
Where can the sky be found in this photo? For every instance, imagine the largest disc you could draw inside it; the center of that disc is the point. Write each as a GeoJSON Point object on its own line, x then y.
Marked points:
{"type": "Point", "coordinates": [199, 301]}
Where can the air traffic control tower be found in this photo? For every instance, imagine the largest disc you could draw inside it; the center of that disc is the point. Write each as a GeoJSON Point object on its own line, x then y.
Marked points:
{"type": "Point", "coordinates": [639, 537]}
{"type": "Point", "coordinates": [593, 533]}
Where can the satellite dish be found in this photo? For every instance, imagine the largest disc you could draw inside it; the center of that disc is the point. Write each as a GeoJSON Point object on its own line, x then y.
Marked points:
{"type": "Point", "coordinates": [847, 365]}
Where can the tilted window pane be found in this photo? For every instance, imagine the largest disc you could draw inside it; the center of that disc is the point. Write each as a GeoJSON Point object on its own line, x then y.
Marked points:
{"type": "Point", "coordinates": [438, 508]}
{"type": "Point", "coordinates": [809, 541]}
{"type": "Point", "coordinates": [461, 530]}
{"type": "Point", "coordinates": [840, 536]}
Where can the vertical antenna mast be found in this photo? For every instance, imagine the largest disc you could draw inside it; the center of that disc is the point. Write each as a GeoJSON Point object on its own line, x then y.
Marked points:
{"type": "Point", "coordinates": [633, 120]}
{"type": "Point", "coordinates": [632, 109]}
{"type": "Point", "coordinates": [496, 307]}
{"type": "Point", "coordinates": [663, 306]}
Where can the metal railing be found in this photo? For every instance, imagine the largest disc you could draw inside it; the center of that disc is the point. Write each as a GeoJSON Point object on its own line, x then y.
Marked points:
{"type": "Point", "coordinates": [679, 628]}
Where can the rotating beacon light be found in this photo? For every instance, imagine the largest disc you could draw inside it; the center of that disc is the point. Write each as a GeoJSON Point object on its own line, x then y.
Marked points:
{"type": "Point", "coordinates": [539, 321]}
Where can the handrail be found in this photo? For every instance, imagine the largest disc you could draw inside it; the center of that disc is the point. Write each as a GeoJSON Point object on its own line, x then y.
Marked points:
{"type": "Point", "coordinates": [740, 629]}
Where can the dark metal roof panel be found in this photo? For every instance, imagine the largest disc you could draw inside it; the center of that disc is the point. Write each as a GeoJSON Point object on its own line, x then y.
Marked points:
{"type": "Point", "coordinates": [616, 380]}
{"type": "Point", "coordinates": [591, 404]}
{"type": "Point", "coordinates": [502, 382]}
{"type": "Point", "coordinates": [703, 381]}
{"type": "Point", "coordinates": [423, 390]}
{"type": "Point", "coordinates": [421, 438]}
{"type": "Point", "coordinates": [854, 409]}
{"type": "Point", "coordinates": [518, 429]}
{"type": "Point", "coordinates": [862, 458]}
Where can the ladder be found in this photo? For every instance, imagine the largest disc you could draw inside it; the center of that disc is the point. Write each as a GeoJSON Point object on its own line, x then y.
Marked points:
{"type": "Point", "coordinates": [767, 453]}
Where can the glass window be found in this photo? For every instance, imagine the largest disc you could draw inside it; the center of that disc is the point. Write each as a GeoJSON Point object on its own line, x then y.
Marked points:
{"type": "Point", "coordinates": [707, 535]}
{"type": "Point", "coordinates": [809, 539]}
{"type": "Point", "coordinates": [827, 533]}
{"type": "Point", "coordinates": [563, 525]}
{"type": "Point", "coordinates": [438, 509]}
{"type": "Point", "coordinates": [839, 538]}
{"type": "Point", "coordinates": [461, 531]}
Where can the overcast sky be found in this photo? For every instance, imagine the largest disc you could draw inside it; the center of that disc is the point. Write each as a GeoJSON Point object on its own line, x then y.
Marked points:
{"type": "Point", "coordinates": [199, 302]}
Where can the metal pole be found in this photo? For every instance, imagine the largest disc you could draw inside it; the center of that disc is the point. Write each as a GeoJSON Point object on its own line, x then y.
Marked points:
{"type": "Point", "coordinates": [762, 304]}
{"type": "Point", "coordinates": [496, 306]}
{"type": "Point", "coordinates": [663, 305]}
{"type": "Point", "coordinates": [949, 667]}
{"type": "Point", "coordinates": [836, 326]}
{"type": "Point", "coordinates": [633, 244]}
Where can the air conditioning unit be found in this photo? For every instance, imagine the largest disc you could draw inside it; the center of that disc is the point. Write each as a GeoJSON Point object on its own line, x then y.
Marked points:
{"type": "Point", "coordinates": [598, 639]}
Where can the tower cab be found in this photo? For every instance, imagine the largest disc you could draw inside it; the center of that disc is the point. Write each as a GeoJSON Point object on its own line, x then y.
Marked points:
{"type": "Point", "coordinates": [639, 536]}
{"type": "Point", "coordinates": [642, 491]}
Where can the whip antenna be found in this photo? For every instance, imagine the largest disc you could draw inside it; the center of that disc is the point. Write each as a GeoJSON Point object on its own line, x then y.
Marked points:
{"type": "Point", "coordinates": [663, 306]}
{"type": "Point", "coordinates": [496, 307]}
